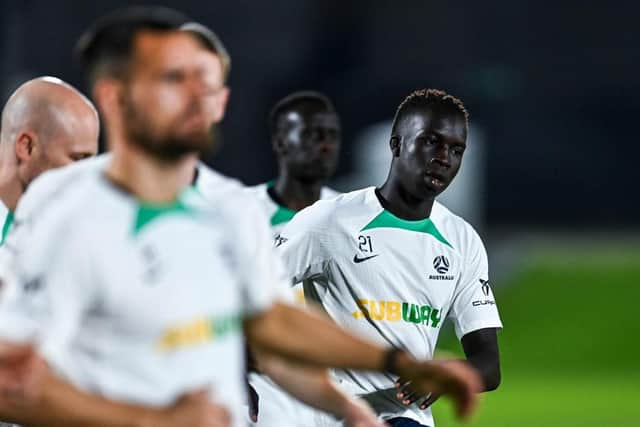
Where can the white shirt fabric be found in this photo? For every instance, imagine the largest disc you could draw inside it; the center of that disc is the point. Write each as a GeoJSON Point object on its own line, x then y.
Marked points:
{"type": "Point", "coordinates": [4, 217]}
{"type": "Point", "coordinates": [134, 302]}
{"type": "Point", "coordinates": [277, 407]}
{"type": "Point", "coordinates": [390, 280]}
{"type": "Point", "coordinates": [279, 215]}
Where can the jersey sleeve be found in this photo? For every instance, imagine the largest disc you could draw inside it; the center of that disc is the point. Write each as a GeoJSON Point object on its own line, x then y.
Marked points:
{"type": "Point", "coordinates": [304, 244]}
{"type": "Point", "coordinates": [474, 306]}
{"type": "Point", "coordinates": [48, 286]}
{"type": "Point", "coordinates": [260, 269]}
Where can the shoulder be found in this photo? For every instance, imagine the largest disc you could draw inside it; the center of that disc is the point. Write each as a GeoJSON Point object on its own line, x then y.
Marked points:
{"type": "Point", "coordinates": [214, 184]}
{"type": "Point", "coordinates": [64, 224]}
{"type": "Point", "coordinates": [258, 192]}
{"type": "Point", "coordinates": [236, 211]}
{"type": "Point", "coordinates": [53, 185]}
{"type": "Point", "coordinates": [462, 235]}
{"type": "Point", "coordinates": [332, 214]}
{"type": "Point", "coordinates": [328, 193]}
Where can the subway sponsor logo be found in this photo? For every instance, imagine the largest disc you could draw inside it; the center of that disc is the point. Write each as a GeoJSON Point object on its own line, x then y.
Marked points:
{"type": "Point", "coordinates": [197, 332]}
{"type": "Point", "coordinates": [394, 311]}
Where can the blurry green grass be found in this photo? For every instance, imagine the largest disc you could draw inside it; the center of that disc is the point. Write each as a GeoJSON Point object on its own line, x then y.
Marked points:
{"type": "Point", "coordinates": [571, 343]}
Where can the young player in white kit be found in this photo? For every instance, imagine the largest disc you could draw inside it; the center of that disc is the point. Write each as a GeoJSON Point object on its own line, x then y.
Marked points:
{"type": "Point", "coordinates": [305, 135]}
{"type": "Point", "coordinates": [391, 263]}
{"type": "Point", "coordinates": [146, 313]}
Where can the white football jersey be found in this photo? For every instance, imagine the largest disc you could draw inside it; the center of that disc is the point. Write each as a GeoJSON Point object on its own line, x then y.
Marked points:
{"type": "Point", "coordinates": [277, 407]}
{"type": "Point", "coordinates": [390, 280]}
{"type": "Point", "coordinates": [280, 215]}
{"type": "Point", "coordinates": [213, 185]}
{"type": "Point", "coordinates": [139, 302]}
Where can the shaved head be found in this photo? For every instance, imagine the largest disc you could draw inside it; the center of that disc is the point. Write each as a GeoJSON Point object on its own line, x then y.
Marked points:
{"type": "Point", "coordinates": [46, 123]}
{"type": "Point", "coordinates": [47, 105]}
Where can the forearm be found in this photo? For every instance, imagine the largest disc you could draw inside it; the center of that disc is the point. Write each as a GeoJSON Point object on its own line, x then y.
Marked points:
{"type": "Point", "coordinates": [59, 404]}
{"type": "Point", "coordinates": [310, 385]}
{"type": "Point", "coordinates": [481, 350]}
{"type": "Point", "coordinates": [310, 338]}
{"type": "Point", "coordinates": [487, 368]}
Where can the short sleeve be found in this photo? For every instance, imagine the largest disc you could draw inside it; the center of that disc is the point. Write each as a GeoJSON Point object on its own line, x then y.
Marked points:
{"type": "Point", "coordinates": [48, 286]}
{"type": "Point", "coordinates": [474, 306]}
{"type": "Point", "coordinates": [260, 269]}
{"type": "Point", "coordinates": [303, 244]}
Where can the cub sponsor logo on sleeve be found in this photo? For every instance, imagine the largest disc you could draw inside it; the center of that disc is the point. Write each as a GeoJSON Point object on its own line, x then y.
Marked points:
{"type": "Point", "coordinates": [486, 291]}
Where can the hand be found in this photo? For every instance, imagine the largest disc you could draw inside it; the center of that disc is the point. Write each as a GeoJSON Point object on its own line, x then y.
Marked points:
{"type": "Point", "coordinates": [454, 378]}
{"type": "Point", "coordinates": [21, 373]}
{"type": "Point", "coordinates": [358, 414]}
{"type": "Point", "coordinates": [408, 397]}
{"type": "Point", "coordinates": [194, 409]}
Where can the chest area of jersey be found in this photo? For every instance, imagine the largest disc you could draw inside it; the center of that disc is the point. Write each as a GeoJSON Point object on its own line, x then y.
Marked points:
{"type": "Point", "coordinates": [400, 266]}
{"type": "Point", "coordinates": [175, 282]}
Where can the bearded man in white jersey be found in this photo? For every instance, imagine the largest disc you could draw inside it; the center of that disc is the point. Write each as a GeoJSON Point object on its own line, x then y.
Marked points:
{"type": "Point", "coordinates": [391, 263]}
{"type": "Point", "coordinates": [144, 181]}
{"type": "Point", "coordinates": [214, 188]}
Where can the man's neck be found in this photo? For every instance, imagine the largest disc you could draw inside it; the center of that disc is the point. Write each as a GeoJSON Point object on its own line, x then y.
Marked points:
{"type": "Point", "coordinates": [148, 178]}
{"type": "Point", "coordinates": [394, 198]}
{"type": "Point", "coordinates": [11, 188]}
{"type": "Point", "coordinates": [296, 194]}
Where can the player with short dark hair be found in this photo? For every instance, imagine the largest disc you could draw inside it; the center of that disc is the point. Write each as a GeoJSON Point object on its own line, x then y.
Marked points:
{"type": "Point", "coordinates": [305, 135]}
{"type": "Point", "coordinates": [391, 263]}
{"type": "Point", "coordinates": [144, 323]}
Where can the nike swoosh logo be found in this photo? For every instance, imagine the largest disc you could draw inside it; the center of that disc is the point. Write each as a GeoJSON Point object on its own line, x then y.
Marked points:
{"type": "Point", "coordinates": [359, 260]}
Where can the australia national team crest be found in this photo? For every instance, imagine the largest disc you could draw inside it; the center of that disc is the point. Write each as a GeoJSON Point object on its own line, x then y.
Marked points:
{"type": "Point", "coordinates": [441, 266]}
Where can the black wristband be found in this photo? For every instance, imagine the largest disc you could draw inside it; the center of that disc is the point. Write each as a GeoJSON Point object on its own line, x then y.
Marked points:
{"type": "Point", "coordinates": [390, 360]}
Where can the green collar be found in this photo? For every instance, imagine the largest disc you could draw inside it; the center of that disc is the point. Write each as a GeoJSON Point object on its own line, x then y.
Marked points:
{"type": "Point", "coordinates": [282, 215]}
{"type": "Point", "coordinates": [148, 212]}
{"type": "Point", "coordinates": [8, 220]}
{"type": "Point", "coordinates": [388, 220]}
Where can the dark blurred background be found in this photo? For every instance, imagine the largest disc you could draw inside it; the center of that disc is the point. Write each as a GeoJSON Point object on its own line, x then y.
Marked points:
{"type": "Point", "coordinates": [554, 86]}
{"type": "Point", "coordinates": [550, 178]}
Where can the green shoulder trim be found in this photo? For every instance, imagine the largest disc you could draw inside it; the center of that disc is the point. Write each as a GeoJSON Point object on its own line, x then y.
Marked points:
{"type": "Point", "coordinates": [148, 212]}
{"type": "Point", "coordinates": [388, 220]}
{"type": "Point", "coordinates": [8, 220]}
{"type": "Point", "coordinates": [282, 215]}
